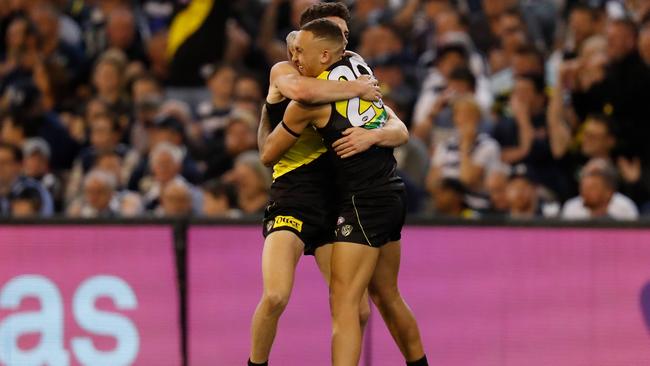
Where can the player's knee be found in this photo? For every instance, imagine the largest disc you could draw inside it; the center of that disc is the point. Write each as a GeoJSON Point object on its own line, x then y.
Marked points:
{"type": "Point", "coordinates": [382, 295]}
{"type": "Point", "coordinates": [276, 302]}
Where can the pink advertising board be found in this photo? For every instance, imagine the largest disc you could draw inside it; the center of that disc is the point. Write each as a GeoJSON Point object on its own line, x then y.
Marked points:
{"type": "Point", "coordinates": [482, 296]}
{"type": "Point", "coordinates": [88, 295]}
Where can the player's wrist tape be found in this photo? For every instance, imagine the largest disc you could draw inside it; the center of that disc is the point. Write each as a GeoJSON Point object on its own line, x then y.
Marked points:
{"type": "Point", "coordinates": [289, 130]}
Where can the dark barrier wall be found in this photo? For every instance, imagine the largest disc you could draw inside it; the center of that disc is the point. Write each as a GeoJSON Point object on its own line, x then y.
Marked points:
{"type": "Point", "coordinates": [108, 294]}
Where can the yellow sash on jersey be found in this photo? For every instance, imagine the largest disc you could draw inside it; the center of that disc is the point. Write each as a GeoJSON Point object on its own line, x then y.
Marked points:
{"type": "Point", "coordinates": [307, 149]}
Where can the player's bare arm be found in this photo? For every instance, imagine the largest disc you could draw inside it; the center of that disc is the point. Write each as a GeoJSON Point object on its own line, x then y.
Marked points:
{"type": "Point", "coordinates": [297, 118]}
{"type": "Point", "coordinates": [264, 128]}
{"type": "Point", "coordinates": [306, 90]}
{"type": "Point", "coordinates": [358, 139]}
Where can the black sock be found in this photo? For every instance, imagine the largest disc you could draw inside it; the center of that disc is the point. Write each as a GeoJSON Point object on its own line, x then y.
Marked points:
{"type": "Point", "coordinates": [250, 363]}
{"type": "Point", "coordinates": [420, 362]}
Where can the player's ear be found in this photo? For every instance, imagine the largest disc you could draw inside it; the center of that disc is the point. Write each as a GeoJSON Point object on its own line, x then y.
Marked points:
{"type": "Point", "coordinates": [325, 56]}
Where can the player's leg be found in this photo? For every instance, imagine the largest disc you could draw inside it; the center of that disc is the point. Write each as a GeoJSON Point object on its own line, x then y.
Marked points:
{"type": "Point", "coordinates": [351, 270]}
{"type": "Point", "coordinates": [398, 317]}
{"type": "Point", "coordinates": [282, 250]}
{"type": "Point", "coordinates": [323, 256]}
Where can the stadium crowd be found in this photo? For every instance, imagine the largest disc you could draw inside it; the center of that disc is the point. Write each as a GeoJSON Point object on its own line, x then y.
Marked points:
{"type": "Point", "coordinates": [521, 109]}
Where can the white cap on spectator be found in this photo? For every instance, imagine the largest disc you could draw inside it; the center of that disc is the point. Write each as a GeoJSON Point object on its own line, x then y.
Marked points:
{"type": "Point", "coordinates": [36, 145]}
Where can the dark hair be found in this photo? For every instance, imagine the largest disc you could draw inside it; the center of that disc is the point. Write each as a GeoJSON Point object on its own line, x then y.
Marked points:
{"type": "Point", "coordinates": [106, 154]}
{"type": "Point", "coordinates": [453, 184]}
{"type": "Point", "coordinates": [112, 119]}
{"type": "Point", "coordinates": [449, 48]}
{"type": "Point", "coordinates": [217, 188]}
{"type": "Point", "coordinates": [16, 152]}
{"type": "Point", "coordinates": [30, 30]}
{"type": "Point", "coordinates": [538, 81]}
{"type": "Point", "coordinates": [603, 120]}
{"type": "Point", "coordinates": [324, 10]}
{"type": "Point", "coordinates": [211, 70]}
{"type": "Point", "coordinates": [30, 195]}
{"type": "Point", "coordinates": [593, 11]}
{"type": "Point", "coordinates": [629, 24]}
{"type": "Point", "coordinates": [146, 77]}
{"type": "Point", "coordinates": [326, 29]}
{"type": "Point", "coordinates": [514, 12]}
{"type": "Point", "coordinates": [463, 73]}
{"type": "Point", "coordinates": [531, 51]}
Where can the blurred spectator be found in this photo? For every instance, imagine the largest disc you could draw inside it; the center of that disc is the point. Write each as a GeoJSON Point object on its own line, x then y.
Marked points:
{"type": "Point", "coordinates": [524, 198]}
{"type": "Point", "coordinates": [449, 57]}
{"type": "Point", "coordinates": [524, 137]}
{"type": "Point", "coordinates": [623, 93]}
{"type": "Point", "coordinates": [175, 200]}
{"type": "Point", "coordinates": [28, 118]}
{"type": "Point", "coordinates": [99, 199]}
{"type": "Point", "coordinates": [213, 114]}
{"type": "Point", "coordinates": [595, 139]}
{"type": "Point", "coordinates": [449, 200]}
{"type": "Point", "coordinates": [584, 21]}
{"type": "Point", "coordinates": [272, 33]}
{"type": "Point", "coordinates": [166, 130]}
{"type": "Point", "coordinates": [240, 136]}
{"type": "Point", "coordinates": [122, 33]}
{"type": "Point", "coordinates": [36, 165]}
{"type": "Point", "coordinates": [105, 133]}
{"type": "Point", "coordinates": [15, 185]}
{"type": "Point", "coordinates": [380, 41]}
{"type": "Point", "coordinates": [109, 82]}
{"type": "Point", "coordinates": [26, 203]}
{"type": "Point", "coordinates": [52, 82]}
{"type": "Point", "coordinates": [252, 180]}
{"type": "Point", "coordinates": [219, 200]}
{"type": "Point", "coordinates": [166, 162]}
{"type": "Point", "coordinates": [21, 51]}
{"type": "Point", "coordinates": [438, 124]}
{"type": "Point", "coordinates": [467, 154]}
{"type": "Point", "coordinates": [52, 48]}
{"type": "Point", "coordinates": [248, 94]}
{"type": "Point", "coordinates": [394, 80]}
{"type": "Point", "coordinates": [157, 55]}
{"type": "Point", "coordinates": [147, 98]}
{"type": "Point", "coordinates": [496, 183]}
{"type": "Point", "coordinates": [598, 196]}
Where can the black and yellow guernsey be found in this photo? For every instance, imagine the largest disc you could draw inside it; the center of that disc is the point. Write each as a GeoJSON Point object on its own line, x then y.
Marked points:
{"type": "Point", "coordinates": [303, 175]}
{"type": "Point", "coordinates": [374, 168]}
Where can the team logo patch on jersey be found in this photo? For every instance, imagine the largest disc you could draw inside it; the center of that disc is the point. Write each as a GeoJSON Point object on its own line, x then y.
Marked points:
{"type": "Point", "coordinates": [340, 220]}
{"type": "Point", "coordinates": [289, 221]}
{"type": "Point", "coordinates": [346, 230]}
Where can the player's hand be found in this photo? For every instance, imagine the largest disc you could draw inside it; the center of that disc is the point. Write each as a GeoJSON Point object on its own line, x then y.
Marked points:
{"type": "Point", "coordinates": [355, 140]}
{"type": "Point", "coordinates": [368, 88]}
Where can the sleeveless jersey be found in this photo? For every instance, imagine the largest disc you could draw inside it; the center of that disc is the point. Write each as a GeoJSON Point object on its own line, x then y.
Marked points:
{"type": "Point", "coordinates": [303, 170]}
{"type": "Point", "coordinates": [375, 167]}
